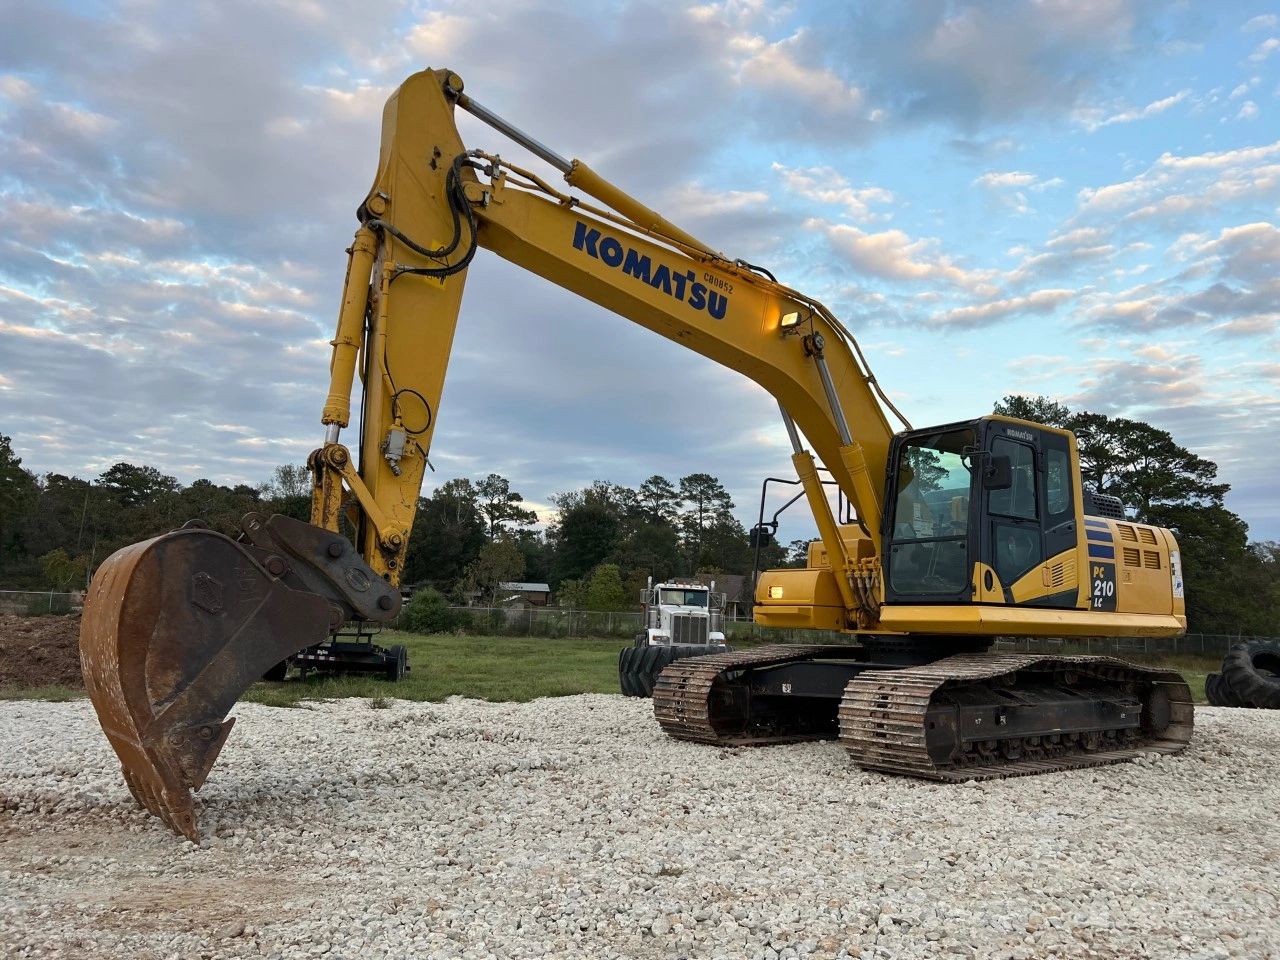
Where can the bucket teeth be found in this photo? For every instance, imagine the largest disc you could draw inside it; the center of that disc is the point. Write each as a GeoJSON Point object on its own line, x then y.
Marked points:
{"type": "Point", "coordinates": [174, 630]}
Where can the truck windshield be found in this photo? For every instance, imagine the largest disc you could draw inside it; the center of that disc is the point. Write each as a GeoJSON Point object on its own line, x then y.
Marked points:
{"type": "Point", "coordinates": [684, 598]}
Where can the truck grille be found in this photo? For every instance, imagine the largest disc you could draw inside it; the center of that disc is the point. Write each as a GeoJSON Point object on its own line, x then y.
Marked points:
{"type": "Point", "coordinates": [686, 629]}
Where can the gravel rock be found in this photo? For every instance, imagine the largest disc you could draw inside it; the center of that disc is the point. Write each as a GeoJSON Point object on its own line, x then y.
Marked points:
{"type": "Point", "coordinates": [572, 827]}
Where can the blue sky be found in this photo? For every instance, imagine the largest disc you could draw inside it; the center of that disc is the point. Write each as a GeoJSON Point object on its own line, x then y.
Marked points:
{"type": "Point", "coordinates": [1074, 197]}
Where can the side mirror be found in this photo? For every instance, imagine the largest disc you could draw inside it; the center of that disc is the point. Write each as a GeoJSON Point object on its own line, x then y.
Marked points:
{"type": "Point", "coordinates": [998, 474]}
{"type": "Point", "coordinates": [760, 536]}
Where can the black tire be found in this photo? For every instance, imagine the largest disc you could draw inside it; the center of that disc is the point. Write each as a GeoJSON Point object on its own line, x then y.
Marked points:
{"type": "Point", "coordinates": [1212, 690]}
{"type": "Point", "coordinates": [1223, 695]}
{"type": "Point", "coordinates": [639, 667]}
{"type": "Point", "coordinates": [627, 680]}
{"type": "Point", "coordinates": [652, 660]}
{"type": "Point", "coordinates": [278, 672]}
{"type": "Point", "coordinates": [397, 663]}
{"type": "Point", "coordinates": [1252, 673]}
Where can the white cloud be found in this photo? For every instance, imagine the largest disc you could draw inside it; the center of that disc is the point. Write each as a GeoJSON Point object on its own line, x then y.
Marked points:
{"type": "Point", "coordinates": [979, 315]}
{"type": "Point", "coordinates": [1016, 178]}
{"type": "Point", "coordinates": [1265, 49]}
{"type": "Point", "coordinates": [1248, 111]}
{"type": "Point", "coordinates": [893, 255]}
{"type": "Point", "coordinates": [1176, 188]}
{"type": "Point", "coordinates": [1263, 21]}
{"type": "Point", "coordinates": [1094, 118]}
{"type": "Point", "coordinates": [828, 187]}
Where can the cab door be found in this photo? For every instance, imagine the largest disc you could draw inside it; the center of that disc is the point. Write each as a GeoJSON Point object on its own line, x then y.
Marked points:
{"type": "Point", "coordinates": [1029, 522]}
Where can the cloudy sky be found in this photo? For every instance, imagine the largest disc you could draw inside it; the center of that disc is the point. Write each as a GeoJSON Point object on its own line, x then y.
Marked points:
{"type": "Point", "coordinates": [1074, 197]}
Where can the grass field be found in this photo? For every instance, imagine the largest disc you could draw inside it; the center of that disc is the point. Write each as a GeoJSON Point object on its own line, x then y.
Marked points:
{"type": "Point", "coordinates": [503, 668]}
{"type": "Point", "coordinates": [486, 668]}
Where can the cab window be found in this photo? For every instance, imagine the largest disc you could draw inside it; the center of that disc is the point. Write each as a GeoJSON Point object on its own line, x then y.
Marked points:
{"type": "Point", "coordinates": [1057, 482]}
{"type": "Point", "coordinates": [930, 529]}
{"type": "Point", "coordinates": [1019, 498]}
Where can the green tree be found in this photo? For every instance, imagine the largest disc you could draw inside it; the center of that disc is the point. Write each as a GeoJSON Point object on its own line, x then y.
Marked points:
{"type": "Point", "coordinates": [658, 500]}
{"type": "Point", "coordinates": [726, 548]}
{"type": "Point", "coordinates": [447, 536]}
{"type": "Point", "coordinates": [571, 595]}
{"type": "Point", "coordinates": [586, 530]}
{"type": "Point", "coordinates": [605, 590]}
{"type": "Point", "coordinates": [798, 553]}
{"type": "Point", "coordinates": [1036, 409]}
{"type": "Point", "coordinates": [497, 562]}
{"type": "Point", "coordinates": [427, 612]}
{"type": "Point", "coordinates": [132, 486]}
{"type": "Point", "coordinates": [18, 494]}
{"type": "Point", "coordinates": [62, 571]}
{"type": "Point", "coordinates": [288, 492]}
{"type": "Point", "coordinates": [708, 502]}
{"type": "Point", "coordinates": [500, 505]}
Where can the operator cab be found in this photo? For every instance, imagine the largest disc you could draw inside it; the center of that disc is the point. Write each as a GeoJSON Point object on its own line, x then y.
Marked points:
{"type": "Point", "coordinates": [974, 507]}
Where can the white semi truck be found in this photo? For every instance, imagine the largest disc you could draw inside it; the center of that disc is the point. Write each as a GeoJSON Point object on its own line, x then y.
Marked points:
{"type": "Point", "coordinates": [681, 619]}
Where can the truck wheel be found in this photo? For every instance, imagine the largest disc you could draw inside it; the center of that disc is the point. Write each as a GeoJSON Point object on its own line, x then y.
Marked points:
{"type": "Point", "coordinates": [397, 663]}
{"type": "Point", "coordinates": [627, 678]}
{"type": "Point", "coordinates": [1252, 672]}
{"type": "Point", "coordinates": [278, 672]}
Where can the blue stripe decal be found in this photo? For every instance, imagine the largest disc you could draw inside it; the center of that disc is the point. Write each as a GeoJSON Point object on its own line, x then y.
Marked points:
{"type": "Point", "coordinates": [1096, 524]}
{"type": "Point", "coordinates": [1102, 535]}
{"type": "Point", "coordinates": [1098, 552]}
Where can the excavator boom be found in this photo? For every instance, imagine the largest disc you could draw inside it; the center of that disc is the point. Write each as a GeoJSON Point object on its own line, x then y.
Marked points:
{"type": "Point", "coordinates": [177, 628]}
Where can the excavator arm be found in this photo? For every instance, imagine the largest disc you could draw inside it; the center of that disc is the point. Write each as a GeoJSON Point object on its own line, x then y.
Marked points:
{"type": "Point", "coordinates": [423, 222]}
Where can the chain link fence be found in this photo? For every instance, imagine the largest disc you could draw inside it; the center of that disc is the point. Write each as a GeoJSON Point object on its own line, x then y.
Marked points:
{"type": "Point", "coordinates": [546, 622]}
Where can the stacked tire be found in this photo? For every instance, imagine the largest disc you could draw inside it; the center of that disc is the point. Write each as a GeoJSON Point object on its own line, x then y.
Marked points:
{"type": "Point", "coordinates": [639, 665]}
{"type": "Point", "coordinates": [1250, 677]}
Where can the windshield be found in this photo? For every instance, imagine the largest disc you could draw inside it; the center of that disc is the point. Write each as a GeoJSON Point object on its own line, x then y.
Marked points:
{"type": "Point", "coordinates": [683, 598]}
{"type": "Point", "coordinates": [929, 553]}
{"type": "Point", "coordinates": [934, 478]}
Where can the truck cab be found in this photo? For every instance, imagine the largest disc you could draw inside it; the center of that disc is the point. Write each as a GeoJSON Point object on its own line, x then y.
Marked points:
{"type": "Point", "coordinates": [682, 612]}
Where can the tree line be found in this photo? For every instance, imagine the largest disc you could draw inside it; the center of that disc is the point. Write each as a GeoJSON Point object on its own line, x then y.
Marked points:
{"type": "Point", "coordinates": [468, 537]}
{"type": "Point", "coordinates": [605, 539]}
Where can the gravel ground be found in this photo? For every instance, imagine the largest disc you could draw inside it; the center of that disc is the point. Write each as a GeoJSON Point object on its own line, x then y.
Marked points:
{"type": "Point", "coordinates": [573, 828]}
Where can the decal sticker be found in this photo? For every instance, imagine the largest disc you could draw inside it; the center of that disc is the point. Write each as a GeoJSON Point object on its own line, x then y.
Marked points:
{"type": "Point", "coordinates": [1102, 586]}
{"type": "Point", "coordinates": [1175, 566]}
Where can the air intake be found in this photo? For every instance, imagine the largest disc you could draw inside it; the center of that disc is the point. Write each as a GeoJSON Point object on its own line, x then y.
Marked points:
{"type": "Point", "coordinates": [1103, 505]}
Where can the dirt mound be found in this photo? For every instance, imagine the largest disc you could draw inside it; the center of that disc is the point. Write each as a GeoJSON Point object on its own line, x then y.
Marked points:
{"type": "Point", "coordinates": [40, 651]}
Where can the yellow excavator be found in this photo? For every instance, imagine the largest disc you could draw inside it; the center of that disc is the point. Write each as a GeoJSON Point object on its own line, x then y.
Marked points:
{"type": "Point", "coordinates": [961, 533]}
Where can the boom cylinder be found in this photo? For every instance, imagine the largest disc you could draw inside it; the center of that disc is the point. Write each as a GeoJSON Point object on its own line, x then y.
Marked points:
{"type": "Point", "coordinates": [350, 334]}
{"type": "Point", "coordinates": [579, 175]}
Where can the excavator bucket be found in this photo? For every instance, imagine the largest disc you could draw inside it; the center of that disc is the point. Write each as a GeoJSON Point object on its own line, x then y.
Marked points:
{"type": "Point", "coordinates": [174, 630]}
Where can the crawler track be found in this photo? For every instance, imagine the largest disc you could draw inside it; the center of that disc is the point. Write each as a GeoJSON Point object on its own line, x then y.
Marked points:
{"type": "Point", "coordinates": [692, 700]}
{"type": "Point", "coordinates": [899, 720]}
{"type": "Point", "coordinates": [883, 717]}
